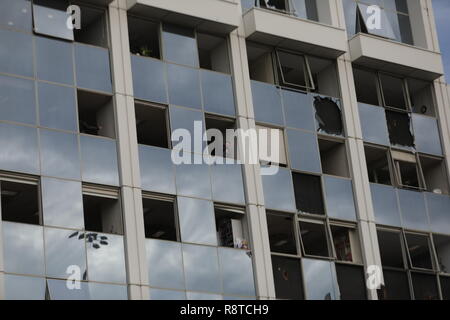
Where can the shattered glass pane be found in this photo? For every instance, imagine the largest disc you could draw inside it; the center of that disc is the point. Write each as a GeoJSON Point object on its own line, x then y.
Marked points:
{"type": "Point", "coordinates": [399, 127]}
{"type": "Point", "coordinates": [328, 116]}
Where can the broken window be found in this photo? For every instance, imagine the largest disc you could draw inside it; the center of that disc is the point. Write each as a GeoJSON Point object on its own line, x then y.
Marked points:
{"type": "Point", "coordinates": [218, 144]}
{"type": "Point", "coordinates": [399, 128]}
{"type": "Point", "coordinates": [328, 116]}
{"type": "Point", "coordinates": [366, 86]}
{"type": "Point", "coordinates": [152, 125]}
{"type": "Point", "coordinates": [396, 286]}
{"type": "Point", "coordinates": [421, 96]}
{"type": "Point", "coordinates": [281, 233]}
{"type": "Point", "coordinates": [293, 70]}
{"type": "Point", "coordinates": [96, 114]}
{"type": "Point", "coordinates": [213, 53]}
{"type": "Point", "coordinates": [352, 284]}
{"type": "Point", "coordinates": [425, 286]}
{"type": "Point", "coordinates": [377, 160]}
{"type": "Point", "coordinates": [333, 156]}
{"type": "Point", "coordinates": [393, 92]}
{"type": "Point", "coordinates": [407, 170]}
{"type": "Point", "coordinates": [276, 150]}
{"type": "Point", "coordinates": [419, 251]}
{"type": "Point", "coordinates": [281, 5]}
{"type": "Point", "coordinates": [159, 219]}
{"type": "Point", "coordinates": [435, 174]}
{"type": "Point", "coordinates": [144, 39]}
{"type": "Point", "coordinates": [20, 202]}
{"type": "Point", "coordinates": [288, 278]}
{"type": "Point", "coordinates": [93, 26]}
{"type": "Point", "coordinates": [308, 193]}
{"type": "Point", "coordinates": [102, 210]}
{"type": "Point", "coordinates": [231, 227]}
{"type": "Point", "coordinates": [346, 244]}
{"type": "Point", "coordinates": [315, 239]}
{"type": "Point", "coordinates": [391, 249]}
{"type": "Point", "coordinates": [50, 18]}
{"type": "Point", "coordinates": [442, 246]}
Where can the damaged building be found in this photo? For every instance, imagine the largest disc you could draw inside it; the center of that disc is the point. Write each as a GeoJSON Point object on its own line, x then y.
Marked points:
{"type": "Point", "coordinates": [86, 122]}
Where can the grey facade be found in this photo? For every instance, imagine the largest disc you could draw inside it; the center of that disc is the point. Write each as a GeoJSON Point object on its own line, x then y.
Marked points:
{"type": "Point", "coordinates": [89, 190]}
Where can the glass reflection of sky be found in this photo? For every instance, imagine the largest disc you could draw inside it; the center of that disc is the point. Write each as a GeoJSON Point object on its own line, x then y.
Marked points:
{"type": "Point", "coordinates": [441, 14]}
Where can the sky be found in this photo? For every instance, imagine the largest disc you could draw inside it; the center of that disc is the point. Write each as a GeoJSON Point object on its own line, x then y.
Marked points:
{"type": "Point", "coordinates": [442, 16]}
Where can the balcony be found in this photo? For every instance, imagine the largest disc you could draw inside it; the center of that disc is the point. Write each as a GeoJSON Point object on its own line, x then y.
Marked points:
{"type": "Point", "coordinates": [402, 59]}
{"type": "Point", "coordinates": [281, 30]}
{"type": "Point", "coordinates": [216, 16]}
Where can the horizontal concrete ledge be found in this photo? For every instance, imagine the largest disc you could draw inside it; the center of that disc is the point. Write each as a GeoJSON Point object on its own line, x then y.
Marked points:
{"type": "Point", "coordinates": [289, 32]}
{"type": "Point", "coordinates": [387, 55]}
{"type": "Point", "coordinates": [216, 16]}
{"type": "Point", "coordinates": [103, 3]}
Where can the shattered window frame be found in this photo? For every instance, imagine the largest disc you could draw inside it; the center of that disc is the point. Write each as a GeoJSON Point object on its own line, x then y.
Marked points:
{"type": "Point", "coordinates": [328, 238]}
{"type": "Point", "coordinates": [336, 129]}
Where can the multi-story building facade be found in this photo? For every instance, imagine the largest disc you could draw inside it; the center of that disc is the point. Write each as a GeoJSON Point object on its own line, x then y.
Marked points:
{"type": "Point", "coordinates": [93, 206]}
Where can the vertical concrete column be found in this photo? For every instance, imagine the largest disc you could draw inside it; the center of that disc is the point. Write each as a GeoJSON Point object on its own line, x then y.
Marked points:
{"type": "Point", "coordinates": [357, 160]}
{"type": "Point", "coordinates": [135, 254]}
{"type": "Point", "coordinates": [256, 215]}
{"type": "Point", "coordinates": [2, 265]}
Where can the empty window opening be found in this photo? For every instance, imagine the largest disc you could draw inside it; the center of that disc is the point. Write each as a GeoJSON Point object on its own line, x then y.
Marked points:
{"type": "Point", "coordinates": [393, 92]}
{"type": "Point", "coordinates": [213, 53]}
{"type": "Point", "coordinates": [391, 250]}
{"type": "Point", "coordinates": [96, 114]}
{"type": "Point", "coordinates": [407, 171]}
{"type": "Point", "coordinates": [396, 286]}
{"type": "Point", "coordinates": [366, 85]}
{"type": "Point", "coordinates": [261, 64]}
{"type": "Point", "coordinates": [144, 39]}
{"type": "Point", "coordinates": [328, 115]}
{"type": "Point", "coordinates": [419, 251]}
{"type": "Point", "coordinates": [152, 125]}
{"type": "Point", "coordinates": [352, 283]}
{"type": "Point", "coordinates": [399, 127]}
{"type": "Point", "coordinates": [425, 286]}
{"type": "Point", "coordinates": [314, 238]}
{"type": "Point", "coordinates": [102, 213]}
{"type": "Point", "coordinates": [281, 233]}
{"type": "Point", "coordinates": [324, 76]}
{"type": "Point", "coordinates": [308, 193]}
{"type": "Point", "coordinates": [231, 228]}
{"type": "Point", "coordinates": [287, 275]}
{"type": "Point", "coordinates": [442, 246]}
{"type": "Point", "coordinates": [276, 149]}
{"type": "Point", "coordinates": [93, 26]}
{"type": "Point", "coordinates": [346, 244]}
{"type": "Point", "coordinates": [293, 71]}
{"type": "Point", "coordinates": [20, 202]}
{"type": "Point", "coordinates": [333, 156]}
{"type": "Point", "coordinates": [377, 161]}
{"type": "Point", "coordinates": [435, 174]}
{"type": "Point", "coordinates": [218, 143]}
{"type": "Point", "coordinates": [445, 287]}
{"type": "Point", "coordinates": [421, 96]}
{"type": "Point", "coordinates": [159, 219]}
